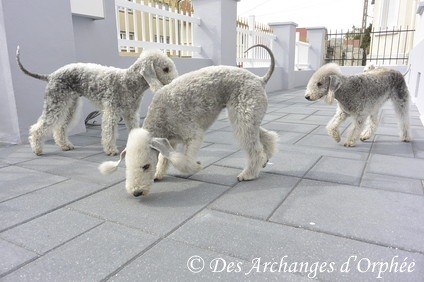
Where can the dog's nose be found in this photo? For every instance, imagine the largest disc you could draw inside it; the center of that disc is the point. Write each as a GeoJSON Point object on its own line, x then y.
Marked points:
{"type": "Point", "coordinates": [307, 97]}
{"type": "Point", "coordinates": [138, 194]}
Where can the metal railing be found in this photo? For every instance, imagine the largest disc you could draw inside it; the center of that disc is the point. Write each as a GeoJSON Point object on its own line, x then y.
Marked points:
{"type": "Point", "coordinates": [156, 25]}
{"type": "Point", "coordinates": [382, 47]}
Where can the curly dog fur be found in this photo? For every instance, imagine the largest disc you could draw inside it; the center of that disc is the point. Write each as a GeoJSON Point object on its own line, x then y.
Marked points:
{"type": "Point", "coordinates": [361, 97]}
{"type": "Point", "coordinates": [183, 110]}
{"type": "Point", "coordinates": [116, 92]}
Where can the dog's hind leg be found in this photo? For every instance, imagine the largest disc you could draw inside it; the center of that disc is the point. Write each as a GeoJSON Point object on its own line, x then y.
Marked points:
{"type": "Point", "coordinates": [110, 120]}
{"type": "Point", "coordinates": [70, 116]}
{"type": "Point", "coordinates": [370, 127]}
{"type": "Point", "coordinates": [246, 130]}
{"type": "Point", "coordinates": [401, 105]}
{"type": "Point", "coordinates": [51, 114]}
{"type": "Point", "coordinates": [163, 164]}
{"type": "Point", "coordinates": [269, 141]}
{"type": "Point", "coordinates": [132, 120]}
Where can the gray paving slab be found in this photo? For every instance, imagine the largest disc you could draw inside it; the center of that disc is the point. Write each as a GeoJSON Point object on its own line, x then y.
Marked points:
{"type": "Point", "coordinates": [170, 260]}
{"type": "Point", "coordinates": [13, 256]}
{"type": "Point", "coordinates": [51, 230]}
{"type": "Point", "coordinates": [88, 257]}
{"type": "Point", "coordinates": [391, 145]}
{"type": "Point", "coordinates": [249, 239]}
{"type": "Point", "coordinates": [170, 202]}
{"type": "Point", "coordinates": [392, 183]}
{"type": "Point", "coordinates": [86, 171]}
{"type": "Point", "coordinates": [316, 140]}
{"type": "Point", "coordinates": [336, 209]}
{"type": "Point", "coordinates": [289, 137]}
{"type": "Point", "coordinates": [29, 206]}
{"type": "Point", "coordinates": [286, 126]}
{"type": "Point", "coordinates": [320, 151]}
{"type": "Point", "coordinates": [396, 166]}
{"type": "Point", "coordinates": [15, 181]}
{"type": "Point", "coordinates": [337, 170]}
{"type": "Point", "coordinates": [284, 162]}
{"type": "Point", "coordinates": [221, 137]}
{"type": "Point", "coordinates": [257, 198]}
{"type": "Point", "coordinates": [16, 154]}
{"type": "Point", "coordinates": [218, 175]}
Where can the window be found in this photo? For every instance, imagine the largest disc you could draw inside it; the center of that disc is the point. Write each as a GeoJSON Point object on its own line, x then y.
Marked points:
{"type": "Point", "coordinates": [389, 13]}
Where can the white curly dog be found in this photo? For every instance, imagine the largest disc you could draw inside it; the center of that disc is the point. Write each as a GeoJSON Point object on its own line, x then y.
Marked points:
{"type": "Point", "coordinates": [183, 110]}
{"type": "Point", "coordinates": [116, 92]}
{"type": "Point", "coordinates": [361, 97]}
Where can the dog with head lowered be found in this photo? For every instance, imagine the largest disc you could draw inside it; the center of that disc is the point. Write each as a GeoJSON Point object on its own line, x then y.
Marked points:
{"type": "Point", "coordinates": [183, 110]}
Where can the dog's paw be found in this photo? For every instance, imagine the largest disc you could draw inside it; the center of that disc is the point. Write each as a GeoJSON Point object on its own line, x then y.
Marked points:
{"type": "Point", "coordinates": [406, 139]}
{"type": "Point", "coordinates": [112, 152]}
{"type": "Point", "coordinates": [67, 147]}
{"type": "Point", "coordinates": [245, 177]}
{"type": "Point", "coordinates": [334, 133]}
{"type": "Point", "coordinates": [350, 144]}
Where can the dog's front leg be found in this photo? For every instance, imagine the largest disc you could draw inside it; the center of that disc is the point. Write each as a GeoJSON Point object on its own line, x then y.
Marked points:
{"type": "Point", "coordinates": [355, 130]}
{"type": "Point", "coordinates": [333, 125]}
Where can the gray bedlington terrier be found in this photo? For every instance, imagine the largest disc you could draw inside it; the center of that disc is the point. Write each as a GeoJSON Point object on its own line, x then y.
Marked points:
{"type": "Point", "coordinates": [116, 92]}
{"type": "Point", "coordinates": [183, 110]}
{"type": "Point", "coordinates": [360, 96]}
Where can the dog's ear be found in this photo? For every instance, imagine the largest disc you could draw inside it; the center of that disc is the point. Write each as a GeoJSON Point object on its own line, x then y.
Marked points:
{"type": "Point", "coordinates": [178, 160]}
{"type": "Point", "coordinates": [334, 85]}
{"type": "Point", "coordinates": [149, 74]}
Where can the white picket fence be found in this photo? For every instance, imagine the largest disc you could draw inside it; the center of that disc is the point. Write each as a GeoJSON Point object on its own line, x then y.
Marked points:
{"type": "Point", "coordinates": [155, 25]}
{"type": "Point", "coordinates": [302, 56]}
{"type": "Point", "coordinates": [250, 33]}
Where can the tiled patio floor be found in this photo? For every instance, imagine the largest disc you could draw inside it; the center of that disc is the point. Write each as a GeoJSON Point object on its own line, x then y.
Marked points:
{"type": "Point", "coordinates": [319, 210]}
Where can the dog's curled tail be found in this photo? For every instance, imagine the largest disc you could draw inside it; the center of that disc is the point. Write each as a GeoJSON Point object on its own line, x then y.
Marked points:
{"type": "Point", "coordinates": [109, 167]}
{"type": "Point", "coordinates": [27, 72]}
{"type": "Point", "coordinates": [268, 74]}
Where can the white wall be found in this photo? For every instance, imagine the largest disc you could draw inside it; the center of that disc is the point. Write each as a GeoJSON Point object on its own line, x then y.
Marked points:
{"type": "Point", "coordinates": [88, 8]}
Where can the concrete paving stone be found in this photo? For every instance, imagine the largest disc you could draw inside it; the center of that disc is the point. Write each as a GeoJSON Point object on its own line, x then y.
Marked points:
{"type": "Point", "coordinates": [90, 257]}
{"type": "Point", "coordinates": [392, 183]}
{"type": "Point", "coordinates": [45, 163]}
{"type": "Point", "coordinates": [2, 164]}
{"type": "Point", "coordinates": [257, 198]}
{"type": "Point", "coordinates": [89, 150]}
{"type": "Point", "coordinates": [337, 170]}
{"type": "Point", "coordinates": [284, 162]}
{"type": "Point", "coordinates": [217, 175]}
{"type": "Point", "coordinates": [251, 239]}
{"type": "Point", "coordinates": [317, 119]}
{"type": "Point", "coordinates": [270, 117]}
{"type": "Point", "coordinates": [413, 121]}
{"type": "Point", "coordinates": [416, 132]}
{"type": "Point", "coordinates": [389, 219]}
{"type": "Point", "coordinates": [418, 148]}
{"type": "Point", "coordinates": [391, 145]}
{"type": "Point", "coordinates": [12, 256]}
{"type": "Point", "coordinates": [286, 126]}
{"type": "Point", "coordinates": [325, 112]}
{"type": "Point", "coordinates": [51, 230]}
{"type": "Point", "coordinates": [396, 166]}
{"type": "Point", "coordinates": [15, 181]}
{"type": "Point", "coordinates": [316, 140]}
{"type": "Point", "coordinates": [286, 137]}
{"type": "Point", "coordinates": [32, 205]}
{"type": "Point", "coordinates": [86, 171]}
{"type": "Point", "coordinates": [16, 153]}
{"type": "Point", "coordinates": [321, 130]}
{"type": "Point", "coordinates": [218, 125]}
{"type": "Point", "coordinates": [81, 140]}
{"type": "Point", "coordinates": [207, 156]}
{"type": "Point", "coordinates": [295, 117]}
{"type": "Point", "coordinates": [220, 137]}
{"type": "Point", "coordinates": [296, 110]}
{"type": "Point", "coordinates": [337, 153]}
{"type": "Point", "coordinates": [169, 259]}
{"type": "Point", "coordinates": [101, 157]}
{"type": "Point", "coordinates": [170, 202]}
